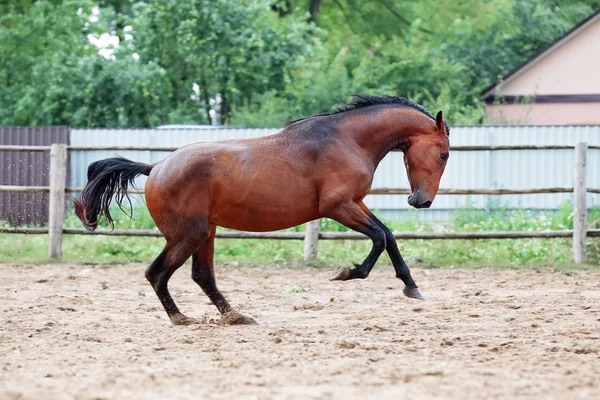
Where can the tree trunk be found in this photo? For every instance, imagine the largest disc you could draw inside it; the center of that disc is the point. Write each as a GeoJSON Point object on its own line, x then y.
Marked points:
{"type": "Point", "coordinates": [225, 108]}
{"type": "Point", "coordinates": [313, 9]}
{"type": "Point", "coordinates": [205, 98]}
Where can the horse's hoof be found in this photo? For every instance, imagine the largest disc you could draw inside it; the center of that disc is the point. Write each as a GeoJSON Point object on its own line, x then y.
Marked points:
{"type": "Point", "coordinates": [412, 293]}
{"type": "Point", "coordinates": [235, 318]}
{"type": "Point", "coordinates": [342, 273]}
{"type": "Point", "coordinates": [180, 319]}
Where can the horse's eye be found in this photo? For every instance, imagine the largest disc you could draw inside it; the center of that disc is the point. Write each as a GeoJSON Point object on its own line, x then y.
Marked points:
{"type": "Point", "coordinates": [443, 156]}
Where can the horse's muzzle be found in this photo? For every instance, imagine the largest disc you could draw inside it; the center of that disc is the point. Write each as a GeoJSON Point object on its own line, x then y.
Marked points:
{"type": "Point", "coordinates": [418, 200]}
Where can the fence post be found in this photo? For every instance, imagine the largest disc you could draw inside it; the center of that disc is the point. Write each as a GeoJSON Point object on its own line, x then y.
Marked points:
{"type": "Point", "coordinates": [579, 203]}
{"type": "Point", "coordinates": [56, 211]}
{"type": "Point", "coordinates": [311, 240]}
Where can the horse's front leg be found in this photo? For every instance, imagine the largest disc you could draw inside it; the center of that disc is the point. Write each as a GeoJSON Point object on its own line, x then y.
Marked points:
{"type": "Point", "coordinates": [402, 270]}
{"type": "Point", "coordinates": [354, 216]}
{"type": "Point", "coordinates": [373, 227]}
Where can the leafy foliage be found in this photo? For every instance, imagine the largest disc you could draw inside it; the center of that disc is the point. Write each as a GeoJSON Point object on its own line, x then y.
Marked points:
{"type": "Point", "coordinates": [234, 49]}
{"type": "Point", "coordinates": [259, 62]}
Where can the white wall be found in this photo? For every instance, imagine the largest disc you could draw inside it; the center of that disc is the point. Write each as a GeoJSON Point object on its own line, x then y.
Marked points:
{"type": "Point", "coordinates": [466, 170]}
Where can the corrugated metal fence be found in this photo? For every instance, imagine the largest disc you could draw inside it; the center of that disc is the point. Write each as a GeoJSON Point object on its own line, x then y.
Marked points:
{"type": "Point", "coordinates": [27, 169]}
{"type": "Point", "coordinates": [466, 170]}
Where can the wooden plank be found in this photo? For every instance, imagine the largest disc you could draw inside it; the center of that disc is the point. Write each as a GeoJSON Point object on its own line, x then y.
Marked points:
{"type": "Point", "coordinates": [477, 191]}
{"type": "Point", "coordinates": [225, 234]}
{"type": "Point", "coordinates": [121, 148]}
{"type": "Point", "coordinates": [323, 235]}
{"type": "Point", "coordinates": [579, 206]}
{"type": "Point", "coordinates": [441, 191]}
{"type": "Point", "coordinates": [454, 235]}
{"type": "Point", "coordinates": [511, 147]}
{"type": "Point", "coordinates": [116, 232]}
{"type": "Point", "coordinates": [56, 214]}
{"type": "Point", "coordinates": [167, 149]}
{"type": "Point", "coordinates": [452, 148]}
{"type": "Point", "coordinates": [28, 231]}
{"type": "Point", "coordinates": [311, 240]}
{"type": "Point", "coordinates": [507, 191]}
{"type": "Point", "coordinates": [46, 189]}
{"type": "Point", "coordinates": [24, 148]}
{"type": "Point", "coordinates": [79, 190]}
{"type": "Point", "coordinates": [24, 189]}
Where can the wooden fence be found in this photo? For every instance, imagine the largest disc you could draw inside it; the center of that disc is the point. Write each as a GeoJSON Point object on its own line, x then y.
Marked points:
{"type": "Point", "coordinates": [58, 189]}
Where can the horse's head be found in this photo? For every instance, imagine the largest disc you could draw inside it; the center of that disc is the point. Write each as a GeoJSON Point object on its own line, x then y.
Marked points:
{"type": "Point", "coordinates": [425, 160]}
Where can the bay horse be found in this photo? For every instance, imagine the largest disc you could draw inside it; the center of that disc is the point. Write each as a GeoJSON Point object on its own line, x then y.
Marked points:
{"type": "Point", "coordinates": [321, 166]}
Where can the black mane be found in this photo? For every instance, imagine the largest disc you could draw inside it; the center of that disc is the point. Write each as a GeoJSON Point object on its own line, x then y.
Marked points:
{"type": "Point", "coordinates": [365, 100]}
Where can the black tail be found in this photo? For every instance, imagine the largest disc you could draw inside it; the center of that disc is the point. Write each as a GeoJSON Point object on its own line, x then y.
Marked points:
{"type": "Point", "coordinates": [107, 178]}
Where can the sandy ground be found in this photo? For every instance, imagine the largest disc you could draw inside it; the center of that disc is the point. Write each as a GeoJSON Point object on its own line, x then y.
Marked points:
{"type": "Point", "coordinates": [99, 332]}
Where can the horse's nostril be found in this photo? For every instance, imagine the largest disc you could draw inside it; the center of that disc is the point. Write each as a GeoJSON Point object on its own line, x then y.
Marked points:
{"type": "Point", "coordinates": [427, 204]}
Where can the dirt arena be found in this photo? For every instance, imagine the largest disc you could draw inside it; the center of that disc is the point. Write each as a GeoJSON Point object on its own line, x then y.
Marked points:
{"type": "Point", "coordinates": [85, 332]}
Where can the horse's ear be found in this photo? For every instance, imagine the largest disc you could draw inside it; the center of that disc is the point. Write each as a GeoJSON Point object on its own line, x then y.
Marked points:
{"type": "Point", "coordinates": [440, 123]}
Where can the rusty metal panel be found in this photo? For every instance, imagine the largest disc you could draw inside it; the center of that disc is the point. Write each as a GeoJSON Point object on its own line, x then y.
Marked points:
{"type": "Point", "coordinates": [27, 169]}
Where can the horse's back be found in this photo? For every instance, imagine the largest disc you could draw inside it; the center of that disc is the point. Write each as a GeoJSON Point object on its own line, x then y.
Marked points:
{"type": "Point", "coordinates": [252, 184]}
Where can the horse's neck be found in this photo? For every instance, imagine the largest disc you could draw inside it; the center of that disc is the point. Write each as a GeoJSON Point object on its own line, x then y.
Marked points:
{"type": "Point", "coordinates": [389, 129]}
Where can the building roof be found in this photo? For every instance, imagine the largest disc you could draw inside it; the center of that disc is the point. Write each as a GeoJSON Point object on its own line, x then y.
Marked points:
{"type": "Point", "coordinates": [489, 91]}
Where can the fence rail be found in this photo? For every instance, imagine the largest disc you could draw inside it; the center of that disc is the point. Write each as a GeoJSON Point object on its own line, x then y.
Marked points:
{"type": "Point", "coordinates": [58, 189]}
{"type": "Point", "coordinates": [158, 148]}
{"type": "Point", "coordinates": [46, 189]}
{"type": "Point", "coordinates": [321, 235]}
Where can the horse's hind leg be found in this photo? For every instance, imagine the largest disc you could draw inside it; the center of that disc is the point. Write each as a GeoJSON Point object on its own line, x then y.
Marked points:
{"type": "Point", "coordinates": [160, 271]}
{"type": "Point", "coordinates": [204, 275]}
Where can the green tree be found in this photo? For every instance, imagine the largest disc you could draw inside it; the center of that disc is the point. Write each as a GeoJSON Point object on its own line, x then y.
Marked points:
{"type": "Point", "coordinates": [231, 50]}
{"type": "Point", "coordinates": [52, 75]}
{"type": "Point", "coordinates": [260, 62]}
{"type": "Point", "coordinates": [439, 52]}
{"type": "Point", "coordinates": [36, 37]}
